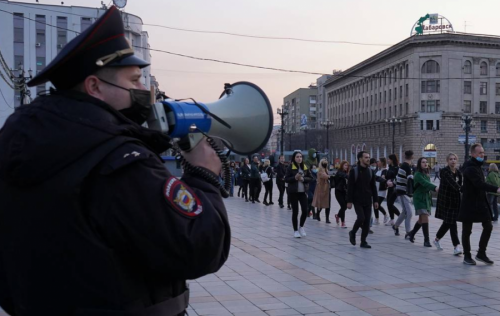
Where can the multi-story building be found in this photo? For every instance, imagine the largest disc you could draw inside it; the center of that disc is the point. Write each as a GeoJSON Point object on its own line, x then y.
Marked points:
{"type": "Point", "coordinates": [426, 83]}
{"type": "Point", "coordinates": [35, 33]}
{"type": "Point", "coordinates": [301, 108]}
{"type": "Point", "coordinates": [321, 98]}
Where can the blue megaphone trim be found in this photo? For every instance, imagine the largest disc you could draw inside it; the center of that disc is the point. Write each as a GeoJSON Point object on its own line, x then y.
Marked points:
{"type": "Point", "coordinates": [184, 115]}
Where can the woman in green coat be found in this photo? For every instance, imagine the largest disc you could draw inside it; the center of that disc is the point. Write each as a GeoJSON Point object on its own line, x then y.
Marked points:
{"type": "Point", "coordinates": [493, 178]}
{"type": "Point", "coordinates": [422, 200]}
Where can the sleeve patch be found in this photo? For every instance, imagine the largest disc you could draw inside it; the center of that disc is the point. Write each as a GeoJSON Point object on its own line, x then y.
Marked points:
{"type": "Point", "coordinates": [182, 197]}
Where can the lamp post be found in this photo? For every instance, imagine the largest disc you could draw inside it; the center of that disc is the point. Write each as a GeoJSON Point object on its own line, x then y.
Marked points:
{"type": "Point", "coordinates": [467, 124]}
{"type": "Point", "coordinates": [282, 113]}
{"type": "Point", "coordinates": [20, 82]}
{"type": "Point", "coordinates": [327, 125]}
{"type": "Point", "coordinates": [290, 133]}
{"type": "Point", "coordinates": [393, 121]}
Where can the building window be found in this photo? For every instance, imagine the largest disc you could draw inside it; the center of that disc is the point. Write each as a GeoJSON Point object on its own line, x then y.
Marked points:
{"type": "Point", "coordinates": [422, 125]}
{"type": "Point", "coordinates": [483, 88]}
{"type": "Point", "coordinates": [467, 87]}
{"type": "Point", "coordinates": [380, 98]}
{"type": "Point", "coordinates": [407, 72]}
{"type": "Point", "coordinates": [498, 126]}
{"type": "Point", "coordinates": [429, 124]}
{"type": "Point", "coordinates": [390, 77]}
{"type": "Point", "coordinates": [395, 93]}
{"type": "Point", "coordinates": [498, 69]}
{"type": "Point", "coordinates": [430, 67]}
{"type": "Point", "coordinates": [375, 98]}
{"type": "Point", "coordinates": [437, 125]}
{"type": "Point", "coordinates": [467, 106]}
{"type": "Point", "coordinates": [483, 69]}
{"type": "Point", "coordinates": [497, 88]}
{"type": "Point", "coordinates": [390, 114]}
{"type": "Point", "coordinates": [484, 141]}
{"type": "Point", "coordinates": [62, 34]}
{"type": "Point", "coordinates": [497, 107]}
{"type": "Point", "coordinates": [385, 96]}
{"type": "Point", "coordinates": [85, 23]}
{"type": "Point", "coordinates": [390, 94]}
{"type": "Point", "coordinates": [483, 107]}
{"type": "Point", "coordinates": [407, 91]}
{"type": "Point", "coordinates": [407, 109]}
{"type": "Point", "coordinates": [400, 92]}
{"type": "Point", "coordinates": [467, 67]}
{"type": "Point", "coordinates": [422, 106]}
{"type": "Point", "coordinates": [400, 109]}
{"type": "Point", "coordinates": [431, 86]}
{"type": "Point", "coordinates": [484, 126]}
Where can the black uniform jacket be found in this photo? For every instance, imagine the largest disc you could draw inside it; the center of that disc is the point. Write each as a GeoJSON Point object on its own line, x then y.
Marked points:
{"type": "Point", "coordinates": [474, 206]}
{"type": "Point", "coordinates": [293, 184]}
{"type": "Point", "coordinates": [280, 172]}
{"type": "Point", "coordinates": [92, 222]}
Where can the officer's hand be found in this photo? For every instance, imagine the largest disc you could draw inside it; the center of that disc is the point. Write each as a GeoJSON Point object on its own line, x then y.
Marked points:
{"type": "Point", "coordinates": [349, 205]}
{"type": "Point", "coordinates": [202, 155]}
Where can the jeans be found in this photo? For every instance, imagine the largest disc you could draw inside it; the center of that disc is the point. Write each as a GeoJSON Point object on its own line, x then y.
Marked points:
{"type": "Point", "coordinates": [406, 213]}
{"type": "Point", "coordinates": [281, 188]}
{"type": "Point", "coordinates": [363, 213]}
{"type": "Point", "coordinates": [483, 241]}
{"type": "Point", "coordinates": [296, 199]}
{"type": "Point", "coordinates": [341, 198]}
{"type": "Point", "coordinates": [453, 232]}
{"type": "Point", "coordinates": [494, 205]}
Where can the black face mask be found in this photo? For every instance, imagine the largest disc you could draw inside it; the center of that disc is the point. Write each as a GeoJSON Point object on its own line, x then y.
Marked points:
{"type": "Point", "coordinates": [141, 107]}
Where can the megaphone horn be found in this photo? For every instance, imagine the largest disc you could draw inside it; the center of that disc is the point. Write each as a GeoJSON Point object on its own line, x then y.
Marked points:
{"type": "Point", "coordinates": [242, 118]}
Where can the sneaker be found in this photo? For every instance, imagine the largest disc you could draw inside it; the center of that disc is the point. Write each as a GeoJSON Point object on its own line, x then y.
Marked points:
{"type": "Point", "coordinates": [437, 244]}
{"type": "Point", "coordinates": [364, 244]}
{"type": "Point", "coordinates": [481, 256]}
{"type": "Point", "coordinates": [457, 251]}
{"type": "Point", "coordinates": [296, 234]}
{"type": "Point", "coordinates": [390, 223]}
{"type": "Point", "coordinates": [386, 219]}
{"type": "Point", "coordinates": [352, 238]}
{"type": "Point", "coordinates": [396, 230]}
{"type": "Point", "coordinates": [343, 225]}
{"type": "Point", "coordinates": [265, 203]}
{"type": "Point", "coordinates": [302, 232]}
{"type": "Point", "coordinates": [337, 219]}
{"type": "Point", "coordinates": [469, 261]}
{"type": "Point", "coordinates": [376, 222]}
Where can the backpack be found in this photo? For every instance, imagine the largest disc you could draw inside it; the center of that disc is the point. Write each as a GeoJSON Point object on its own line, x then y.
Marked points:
{"type": "Point", "coordinates": [356, 173]}
{"type": "Point", "coordinates": [263, 175]}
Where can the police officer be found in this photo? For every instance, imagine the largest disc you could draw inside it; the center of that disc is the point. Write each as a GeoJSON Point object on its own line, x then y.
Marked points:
{"type": "Point", "coordinates": [91, 222]}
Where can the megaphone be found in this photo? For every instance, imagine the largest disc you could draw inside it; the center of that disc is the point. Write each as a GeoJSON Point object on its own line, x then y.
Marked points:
{"type": "Point", "coordinates": [242, 118]}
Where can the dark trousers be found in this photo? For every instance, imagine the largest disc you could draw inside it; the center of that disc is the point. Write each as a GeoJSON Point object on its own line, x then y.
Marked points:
{"type": "Point", "coordinates": [296, 199]}
{"type": "Point", "coordinates": [288, 202]}
{"type": "Point", "coordinates": [341, 198]}
{"type": "Point", "coordinates": [436, 175]}
{"type": "Point", "coordinates": [244, 185]}
{"type": "Point", "coordinates": [254, 188]}
{"type": "Point", "coordinates": [364, 214]}
{"type": "Point", "coordinates": [380, 208]}
{"type": "Point", "coordinates": [494, 205]}
{"type": "Point", "coordinates": [483, 241]}
{"type": "Point", "coordinates": [269, 190]}
{"type": "Point", "coordinates": [281, 188]}
{"type": "Point", "coordinates": [391, 198]}
{"type": "Point", "coordinates": [453, 232]}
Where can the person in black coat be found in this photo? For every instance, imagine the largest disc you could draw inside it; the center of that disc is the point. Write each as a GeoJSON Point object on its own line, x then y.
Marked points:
{"type": "Point", "coordinates": [298, 177]}
{"type": "Point", "coordinates": [245, 171]}
{"type": "Point", "coordinates": [474, 207]}
{"type": "Point", "coordinates": [341, 191]}
{"type": "Point", "coordinates": [280, 179]}
{"type": "Point", "coordinates": [448, 202]}
{"type": "Point", "coordinates": [268, 185]}
{"type": "Point", "coordinates": [255, 180]}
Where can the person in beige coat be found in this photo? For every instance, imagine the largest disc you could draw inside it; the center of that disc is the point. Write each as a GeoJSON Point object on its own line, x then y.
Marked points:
{"type": "Point", "coordinates": [321, 197]}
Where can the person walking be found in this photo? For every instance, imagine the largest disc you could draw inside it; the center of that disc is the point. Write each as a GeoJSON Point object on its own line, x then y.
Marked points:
{"type": "Point", "coordinates": [422, 200]}
{"type": "Point", "coordinates": [381, 190]}
{"type": "Point", "coordinates": [493, 178]}
{"type": "Point", "coordinates": [298, 177]}
{"type": "Point", "coordinates": [392, 172]}
{"type": "Point", "coordinates": [232, 169]}
{"type": "Point", "coordinates": [437, 168]}
{"type": "Point", "coordinates": [245, 172]}
{"type": "Point", "coordinates": [255, 180]}
{"type": "Point", "coordinates": [268, 185]}
{"type": "Point", "coordinates": [448, 202]}
{"type": "Point", "coordinates": [280, 179]}
{"type": "Point", "coordinates": [341, 191]}
{"type": "Point", "coordinates": [361, 192]}
{"type": "Point", "coordinates": [322, 194]}
{"type": "Point", "coordinates": [405, 173]}
{"type": "Point", "coordinates": [474, 207]}
{"type": "Point", "coordinates": [310, 192]}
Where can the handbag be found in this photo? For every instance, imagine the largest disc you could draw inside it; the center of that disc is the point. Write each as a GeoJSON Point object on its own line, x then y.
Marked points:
{"type": "Point", "coordinates": [263, 176]}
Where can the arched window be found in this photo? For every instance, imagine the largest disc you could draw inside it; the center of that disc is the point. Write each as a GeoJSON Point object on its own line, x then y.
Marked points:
{"type": "Point", "coordinates": [401, 73]}
{"type": "Point", "coordinates": [430, 67]}
{"type": "Point", "coordinates": [498, 69]}
{"type": "Point", "coordinates": [407, 72]}
{"type": "Point", "coordinates": [390, 77]}
{"type": "Point", "coordinates": [385, 78]}
{"type": "Point", "coordinates": [467, 67]}
{"type": "Point", "coordinates": [395, 75]}
{"type": "Point", "coordinates": [483, 69]}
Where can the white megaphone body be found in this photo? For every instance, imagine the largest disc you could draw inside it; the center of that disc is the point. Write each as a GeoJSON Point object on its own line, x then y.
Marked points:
{"type": "Point", "coordinates": [242, 118]}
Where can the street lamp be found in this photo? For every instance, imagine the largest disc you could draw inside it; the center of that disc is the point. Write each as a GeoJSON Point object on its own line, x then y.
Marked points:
{"type": "Point", "coordinates": [290, 133]}
{"type": "Point", "coordinates": [393, 121]}
{"type": "Point", "coordinates": [467, 124]}
{"type": "Point", "coordinates": [282, 113]}
{"type": "Point", "coordinates": [327, 125]}
{"type": "Point", "coordinates": [20, 82]}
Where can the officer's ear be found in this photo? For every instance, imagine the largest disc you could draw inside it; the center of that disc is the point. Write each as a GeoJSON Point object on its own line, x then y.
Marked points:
{"type": "Point", "coordinates": [93, 86]}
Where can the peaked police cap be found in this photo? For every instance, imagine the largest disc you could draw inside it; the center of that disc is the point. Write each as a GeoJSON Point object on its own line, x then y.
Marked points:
{"type": "Point", "coordinates": [101, 45]}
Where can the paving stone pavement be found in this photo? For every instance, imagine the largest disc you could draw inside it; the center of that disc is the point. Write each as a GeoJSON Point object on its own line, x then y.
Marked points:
{"type": "Point", "coordinates": [271, 273]}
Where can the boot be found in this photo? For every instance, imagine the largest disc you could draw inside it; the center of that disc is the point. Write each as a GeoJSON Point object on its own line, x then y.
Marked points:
{"type": "Point", "coordinates": [411, 234]}
{"type": "Point", "coordinates": [327, 214]}
{"type": "Point", "coordinates": [318, 217]}
{"type": "Point", "coordinates": [425, 230]}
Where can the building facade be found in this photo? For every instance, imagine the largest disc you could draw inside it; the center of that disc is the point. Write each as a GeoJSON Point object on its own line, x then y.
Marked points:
{"type": "Point", "coordinates": [301, 108]}
{"type": "Point", "coordinates": [35, 33]}
{"type": "Point", "coordinates": [424, 85]}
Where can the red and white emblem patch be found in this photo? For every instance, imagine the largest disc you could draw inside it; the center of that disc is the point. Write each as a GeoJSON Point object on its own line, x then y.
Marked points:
{"type": "Point", "coordinates": [182, 197]}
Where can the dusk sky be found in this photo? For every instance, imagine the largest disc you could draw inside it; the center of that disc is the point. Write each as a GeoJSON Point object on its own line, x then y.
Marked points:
{"type": "Point", "coordinates": [364, 21]}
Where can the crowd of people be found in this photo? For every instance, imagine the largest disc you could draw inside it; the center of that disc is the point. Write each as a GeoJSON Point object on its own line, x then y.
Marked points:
{"type": "Point", "coordinates": [463, 195]}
